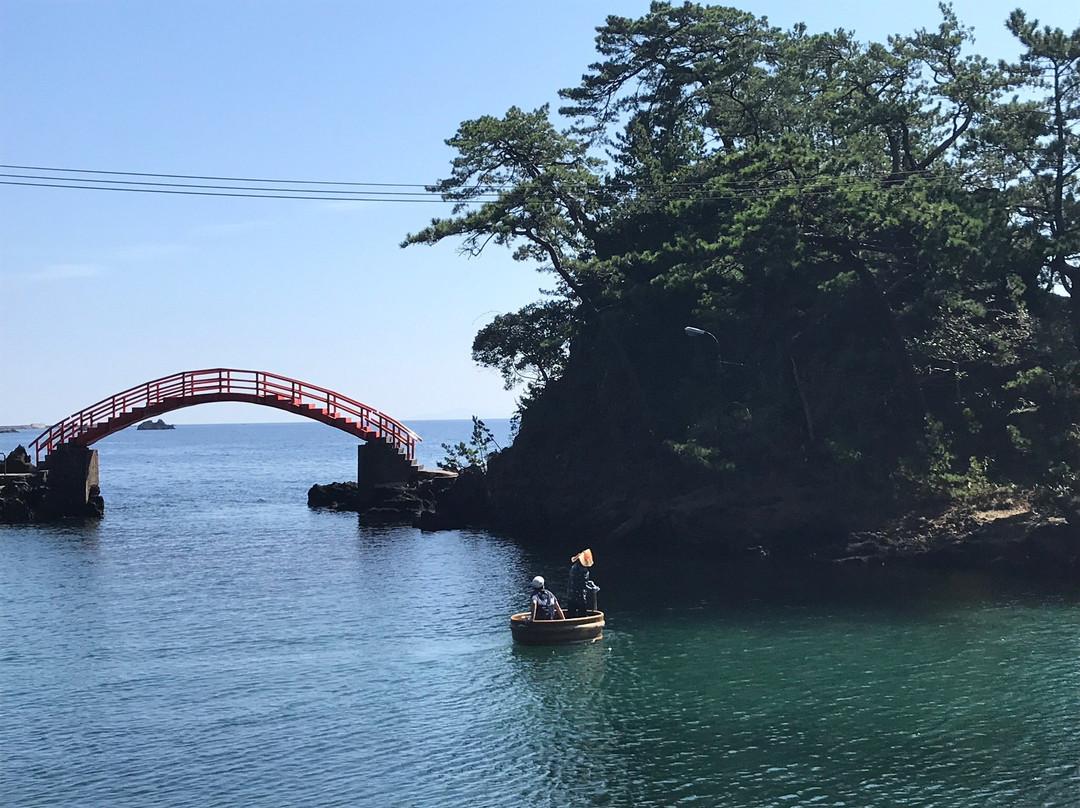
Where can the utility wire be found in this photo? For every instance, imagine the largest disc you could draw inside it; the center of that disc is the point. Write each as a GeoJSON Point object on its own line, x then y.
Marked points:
{"type": "Point", "coordinates": [213, 187]}
{"type": "Point", "coordinates": [490, 189]}
{"type": "Point", "coordinates": [190, 192]}
{"type": "Point", "coordinates": [811, 185]}
{"type": "Point", "coordinates": [673, 190]}
{"type": "Point", "coordinates": [215, 179]}
{"type": "Point", "coordinates": [660, 195]}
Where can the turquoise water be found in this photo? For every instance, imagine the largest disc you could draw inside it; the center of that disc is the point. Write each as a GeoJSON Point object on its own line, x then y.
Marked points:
{"type": "Point", "coordinates": [213, 642]}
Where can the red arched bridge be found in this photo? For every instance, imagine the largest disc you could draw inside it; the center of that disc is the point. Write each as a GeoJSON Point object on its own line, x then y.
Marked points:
{"type": "Point", "coordinates": [224, 384]}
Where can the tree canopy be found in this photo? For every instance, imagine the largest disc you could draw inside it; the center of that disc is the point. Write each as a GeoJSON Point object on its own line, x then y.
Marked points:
{"type": "Point", "coordinates": [884, 238]}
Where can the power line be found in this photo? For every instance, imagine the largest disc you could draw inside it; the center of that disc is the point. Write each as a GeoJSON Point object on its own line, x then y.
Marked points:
{"type": "Point", "coordinates": [491, 191]}
{"type": "Point", "coordinates": [191, 192]}
{"type": "Point", "coordinates": [207, 185]}
{"type": "Point", "coordinates": [810, 185]}
{"type": "Point", "coordinates": [675, 193]}
{"type": "Point", "coordinates": [112, 182]}
{"type": "Point", "coordinates": [213, 179]}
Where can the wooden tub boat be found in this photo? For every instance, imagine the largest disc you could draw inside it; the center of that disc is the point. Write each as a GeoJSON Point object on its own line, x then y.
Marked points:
{"type": "Point", "coordinates": [571, 631]}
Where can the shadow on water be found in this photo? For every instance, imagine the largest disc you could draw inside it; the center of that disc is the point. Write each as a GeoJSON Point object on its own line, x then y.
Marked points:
{"type": "Point", "coordinates": [75, 535]}
{"type": "Point", "coordinates": [755, 684]}
{"type": "Point", "coordinates": [650, 582]}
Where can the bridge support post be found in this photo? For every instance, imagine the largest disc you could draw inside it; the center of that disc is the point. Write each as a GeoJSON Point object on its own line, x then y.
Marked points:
{"type": "Point", "coordinates": [73, 481]}
{"type": "Point", "coordinates": [380, 463]}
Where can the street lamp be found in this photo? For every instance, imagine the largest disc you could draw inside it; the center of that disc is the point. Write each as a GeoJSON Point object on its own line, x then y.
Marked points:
{"type": "Point", "coordinates": [690, 331]}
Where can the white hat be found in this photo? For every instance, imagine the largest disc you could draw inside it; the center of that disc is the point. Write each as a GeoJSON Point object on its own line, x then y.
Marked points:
{"type": "Point", "coordinates": [538, 582]}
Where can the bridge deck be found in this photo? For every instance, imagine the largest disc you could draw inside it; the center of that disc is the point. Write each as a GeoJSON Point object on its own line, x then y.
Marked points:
{"type": "Point", "coordinates": [194, 387]}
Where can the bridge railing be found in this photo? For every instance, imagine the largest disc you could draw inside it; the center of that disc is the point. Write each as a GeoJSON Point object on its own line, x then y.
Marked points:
{"type": "Point", "coordinates": [196, 386]}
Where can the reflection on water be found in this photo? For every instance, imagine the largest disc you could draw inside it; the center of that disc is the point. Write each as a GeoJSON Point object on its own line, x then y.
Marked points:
{"type": "Point", "coordinates": [214, 642]}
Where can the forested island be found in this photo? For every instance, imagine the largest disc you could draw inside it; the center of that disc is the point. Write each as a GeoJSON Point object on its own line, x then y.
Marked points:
{"type": "Point", "coordinates": [810, 296]}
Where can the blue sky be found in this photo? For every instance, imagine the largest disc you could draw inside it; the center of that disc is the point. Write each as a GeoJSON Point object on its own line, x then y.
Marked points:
{"type": "Point", "coordinates": [103, 290]}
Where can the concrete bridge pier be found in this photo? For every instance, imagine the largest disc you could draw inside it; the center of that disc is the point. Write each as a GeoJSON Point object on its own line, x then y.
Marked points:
{"type": "Point", "coordinates": [73, 481]}
{"type": "Point", "coordinates": [381, 463]}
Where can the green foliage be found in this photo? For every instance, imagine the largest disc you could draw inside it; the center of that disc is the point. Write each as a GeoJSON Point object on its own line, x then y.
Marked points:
{"type": "Point", "coordinates": [472, 454]}
{"type": "Point", "coordinates": [529, 346]}
{"type": "Point", "coordinates": [878, 234]}
{"type": "Point", "coordinates": [1062, 493]}
{"type": "Point", "coordinates": [971, 485]}
{"type": "Point", "coordinates": [703, 457]}
{"type": "Point", "coordinates": [941, 478]}
{"type": "Point", "coordinates": [1030, 149]}
{"type": "Point", "coordinates": [518, 181]}
{"type": "Point", "coordinates": [1017, 438]}
{"type": "Point", "coordinates": [1043, 415]}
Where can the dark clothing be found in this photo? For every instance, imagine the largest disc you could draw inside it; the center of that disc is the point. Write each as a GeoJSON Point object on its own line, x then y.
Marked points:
{"type": "Point", "coordinates": [545, 605]}
{"type": "Point", "coordinates": [577, 591]}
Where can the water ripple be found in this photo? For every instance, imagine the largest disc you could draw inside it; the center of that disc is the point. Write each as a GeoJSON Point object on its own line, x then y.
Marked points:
{"type": "Point", "coordinates": [210, 644]}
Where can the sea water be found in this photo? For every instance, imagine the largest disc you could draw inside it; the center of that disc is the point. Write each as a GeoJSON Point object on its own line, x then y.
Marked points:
{"type": "Point", "coordinates": [214, 642]}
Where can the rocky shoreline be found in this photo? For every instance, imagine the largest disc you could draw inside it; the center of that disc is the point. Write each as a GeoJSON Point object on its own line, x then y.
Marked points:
{"type": "Point", "coordinates": [436, 500]}
{"type": "Point", "coordinates": [1021, 534]}
{"type": "Point", "coordinates": [1015, 535]}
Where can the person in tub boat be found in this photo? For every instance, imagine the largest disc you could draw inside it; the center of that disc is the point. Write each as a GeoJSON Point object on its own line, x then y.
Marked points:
{"type": "Point", "coordinates": [580, 587]}
{"type": "Point", "coordinates": [545, 606]}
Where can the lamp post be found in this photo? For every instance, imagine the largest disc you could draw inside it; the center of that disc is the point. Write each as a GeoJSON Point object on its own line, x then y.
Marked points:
{"type": "Point", "coordinates": [690, 331]}
{"type": "Point", "coordinates": [694, 332]}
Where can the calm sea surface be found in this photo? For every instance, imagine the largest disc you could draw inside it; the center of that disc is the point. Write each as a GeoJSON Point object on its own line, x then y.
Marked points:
{"type": "Point", "coordinates": [213, 642]}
